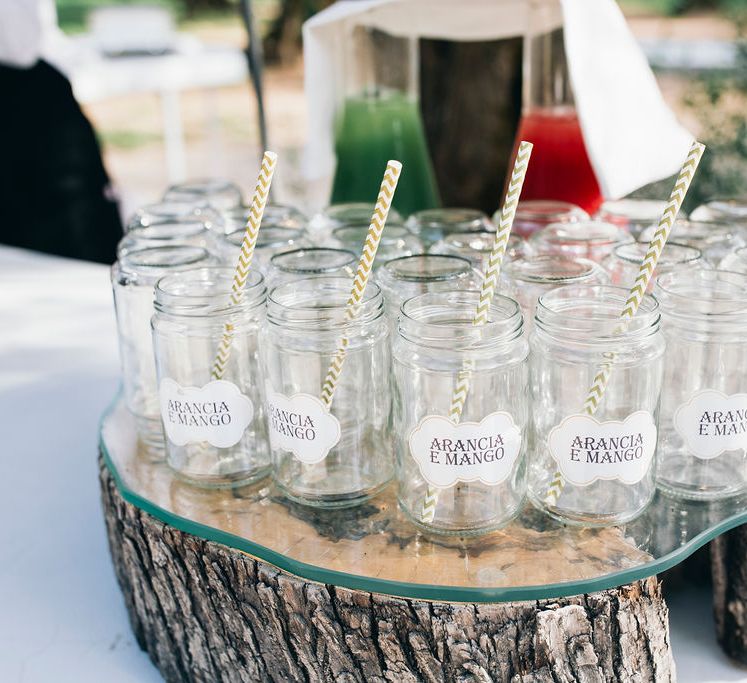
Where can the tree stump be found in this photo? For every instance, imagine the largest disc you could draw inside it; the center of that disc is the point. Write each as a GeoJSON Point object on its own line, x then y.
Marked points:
{"type": "Point", "coordinates": [206, 612]}
{"type": "Point", "coordinates": [729, 574]}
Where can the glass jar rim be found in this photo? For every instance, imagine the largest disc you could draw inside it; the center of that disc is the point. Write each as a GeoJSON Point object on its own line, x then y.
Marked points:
{"type": "Point", "coordinates": [547, 210]}
{"type": "Point", "coordinates": [451, 219]}
{"type": "Point", "coordinates": [674, 253]}
{"type": "Point", "coordinates": [207, 291]}
{"type": "Point", "coordinates": [591, 315]}
{"type": "Point", "coordinates": [731, 208]}
{"type": "Point", "coordinates": [634, 209]}
{"type": "Point", "coordinates": [355, 212]}
{"type": "Point", "coordinates": [269, 236]}
{"type": "Point", "coordinates": [150, 258]}
{"type": "Point", "coordinates": [714, 294]}
{"type": "Point", "coordinates": [594, 231]}
{"type": "Point", "coordinates": [330, 260]}
{"type": "Point", "coordinates": [391, 233]}
{"type": "Point", "coordinates": [426, 268]}
{"type": "Point", "coordinates": [481, 242]}
{"type": "Point", "coordinates": [687, 229]}
{"type": "Point", "coordinates": [203, 186]}
{"type": "Point", "coordinates": [167, 229]}
{"type": "Point", "coordinates": [552, 268]}
{"type": "Point", "coordinates": [321, 303]}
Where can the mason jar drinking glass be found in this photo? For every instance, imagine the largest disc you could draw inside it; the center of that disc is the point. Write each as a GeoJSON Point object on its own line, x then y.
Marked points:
{"type": "Point", "coordinates": [460, 475]}
{"type": "Point", "coordinates": [405, 277]}
{"type": "Point", "coordinates": [593, 240]}
{"type": "Point", "coordinates": [280, 215]}
{"type": "Point", "coordinates": [476, 247]}
{"type": "Point", "coordinates": [624, 262]}
{"type": "Point", "coordinates": [300, 264]}
{"type": "Point", "coordinates": [736, 261]}
{"type": "Point", "coordinates": [633, 215]}
{"type": "Point", "coordinates": [168, 212]}
{"type": "Point", "coordinates": [714, 240]}
{"type": "Point", "coordinates": [432, 225]}
{"type": "Point", "coordinates": [330, 440]}
{"type": "Point", "coordinates": [340, 215]}
{"type": "Point", "coordinates": [163, 233]}
{"type": "Point", "coordinates": [732, 210]}
{"type": "Point", "coordinates": [207, 360]}
{"type": "Point", "coordinates": [592, 443]}
{"type": "Point", "coordinates": [534, 214]}
{"type": "Point", "coordinates": [219, 193]}
{"type": "Point", "coordinates": [703, 434]}
{"type": "Point", "coordinates": [396, 241]}
{"type": "Point", "coordinates": [134, 276]}
{"type": "Point", "coordinates": [525, 279]}
{"type": "Point", "coordinates": [271, 240]}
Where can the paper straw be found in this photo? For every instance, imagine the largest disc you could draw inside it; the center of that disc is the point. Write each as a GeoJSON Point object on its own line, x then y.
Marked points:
{"type": "Point", "coordinates": [375, 229]}
{"type": "Point", "coordinates": [487, 292]}
{"type": "Point", "coordinates": [256, 210]}
{"type": "Point", "coordinates": [636, 294]}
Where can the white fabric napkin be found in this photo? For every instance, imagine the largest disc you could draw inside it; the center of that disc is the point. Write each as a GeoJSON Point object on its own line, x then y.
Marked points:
{"type": "Point", "coordinates": [631, 135]}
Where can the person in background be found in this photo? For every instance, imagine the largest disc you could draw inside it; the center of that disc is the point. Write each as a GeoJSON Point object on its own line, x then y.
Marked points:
{"type": "Point", "coordinates": [55, 194]}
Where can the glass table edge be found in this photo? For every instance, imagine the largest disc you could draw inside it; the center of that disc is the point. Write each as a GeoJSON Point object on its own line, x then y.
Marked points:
{"type": "Point", "coordinates": [399, 589]}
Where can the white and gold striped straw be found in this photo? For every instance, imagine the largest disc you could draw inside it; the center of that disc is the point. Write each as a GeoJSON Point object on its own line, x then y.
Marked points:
{"type": "Point", "coordinates": [352, 309]}
{"type": "Point", "coordinates": [256, 210]}
{"type": "Point", "coordinates": [487, 292]}
{"type": "Point", "coordinates": [636, 294]}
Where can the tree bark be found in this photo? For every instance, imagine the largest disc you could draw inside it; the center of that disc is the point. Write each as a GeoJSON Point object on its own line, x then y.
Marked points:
{"type": "Point", "coordinates": [729, 573]}
{"type": "Point", "coordinates": [206, 612]}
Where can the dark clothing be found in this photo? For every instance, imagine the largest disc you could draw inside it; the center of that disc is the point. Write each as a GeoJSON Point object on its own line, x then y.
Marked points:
{"type": "Point", "coordinates": [53, 185]}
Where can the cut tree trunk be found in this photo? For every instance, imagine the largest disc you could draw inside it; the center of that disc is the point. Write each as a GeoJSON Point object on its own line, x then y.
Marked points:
{"type": "Point", "coordinates": [206, 612]}
{"type": "Point", "coordinates": [729, 573]}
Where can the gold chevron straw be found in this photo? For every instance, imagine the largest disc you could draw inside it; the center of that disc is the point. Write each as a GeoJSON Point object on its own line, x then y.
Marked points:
{"type": "Point", "coordinates": [636, 294]}
{"type": "Point", "coordinates": [256, 210]}
{"type": "Point", "coordinates": [487, 292]}
{"type": "Point", "coordinates": [375, 229]}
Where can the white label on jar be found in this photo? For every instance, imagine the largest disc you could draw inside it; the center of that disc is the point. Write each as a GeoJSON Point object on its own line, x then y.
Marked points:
{"type": "Point", "coordinates": [217, 413]}
{"type": "Point", "coordinates": [588, 450]}
{"type": "Point", "coordinates": [448, 453]}
{"type": "Point", "coordinates": [301, 424]}
{"type": "Point", "coordinates": [712, 422]}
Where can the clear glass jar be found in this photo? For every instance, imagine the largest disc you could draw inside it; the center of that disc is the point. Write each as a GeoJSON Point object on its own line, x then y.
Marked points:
{"type": "Point", "coordinates": [168, 212]}
{"type": "Point", "coordinates": [633, 215]}
{"type": "Point", "coordinates": [163, 233]}
{"type": "Point", "coordinates": [606, 460]}
{"type": "Point", "coordinates": [527, 278]}
{"type": "Point", "coordinates": [476, 247]}
{"type": "Point", "coordinates": [279, 215]}
{"type": "Point", "coordinates": [703, 437]}
{"type": "Point", "coordinates": [534, 214]}
{"type": "Point", "coordinates": [396, 241]}
{"type": "Point", "coordinates": [271, 240]}
{"type": "Point", "coordinates": [736, 262]}
{"type": "Point", "coordinates": [433, 225]}
{"type": "Point", "coordinates": [340, 215]}
{"type": "Point", "coordinates": [727, 210]}
{"type": "Point", "coordinates": [593, 240]}
{"type": "Point", "coordinates": [216, 192]}
{"type": "Point", "coordinates": [624, 262]}
{"type": "Point", "coordinates": [403, 278]}
{"type": "Point", "coordinates": [342, 456]}
{"type": "Point", "coordinates": [715, 240]}
{"type": "Point", "coordinates": [134, 276]}
{"type": "Point", "coordinates": [476, 468]}
{"type": "Point", "coordinates": [211, 395]}
{"type": "Point", "coordinates": [300, 264]}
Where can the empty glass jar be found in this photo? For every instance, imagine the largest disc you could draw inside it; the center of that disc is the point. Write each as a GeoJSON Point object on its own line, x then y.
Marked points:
{"type": "Point", "coordinates": [593, 240]}
{"type": "Point", "coordinates": [216, 192]}
{"type": "Point", "coordinates": [309, 262]}
{"type": "Point", "coordinates": [396, 241]}
{"type": "Point", "coordinates": [534, 214]}
{"type": "Point", "coordinates": [465, 478]}
{"type": "Point", "coordinates": [715, 240]}
{"type": "Point", "coordinates": [402, 278]}
{"type": "Point", "coordinates": [168, 212]}
{"type": "Point", "coordinates": [703, 438]}
{"type": "Point", "coordinates": [163, 233]}
{"type": "Point", "coordinates": [633, 215]}
{"type": "Point", "coordinates": [340, 455]}
{"type": "Point", "coordinates": [525, 279]}
{"type": "Point", "coordinates": [727, 210]}
{"type": "Point", "coordinates": [134, 276]}
{"type": "Point", "coordinates": [340, 215]}
{"type": "Point", "coordinates": [271, 240]}
{"type": "Point", "coordinates": [476, 247]}
{"type": "Point", "coordinates": [207, 359]}
{"type": "Point", "coordinates": [594, 469]}
{"type": "Point", "coordinates": [432, 225]}
{"type": "Point", "coordinates": [736, 261]}
{"type": "Point", "coordinates": [624, 262]}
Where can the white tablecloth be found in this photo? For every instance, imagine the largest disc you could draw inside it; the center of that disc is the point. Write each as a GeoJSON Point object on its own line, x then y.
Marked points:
{"type": "Point", "coordinates": [62, 617]}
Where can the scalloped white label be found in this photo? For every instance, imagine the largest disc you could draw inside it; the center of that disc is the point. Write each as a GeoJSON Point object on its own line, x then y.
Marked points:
{"type": "Point", "coordinates": [217, 413]}
{"type": "Point", "coordinates": [712, 422]}
{"type": "Point", "coordinates": [301, 424]}
{"type": "Point", "coordinates": [588, 450]}
{"type": "Point", "coordinates": [448, 453]}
